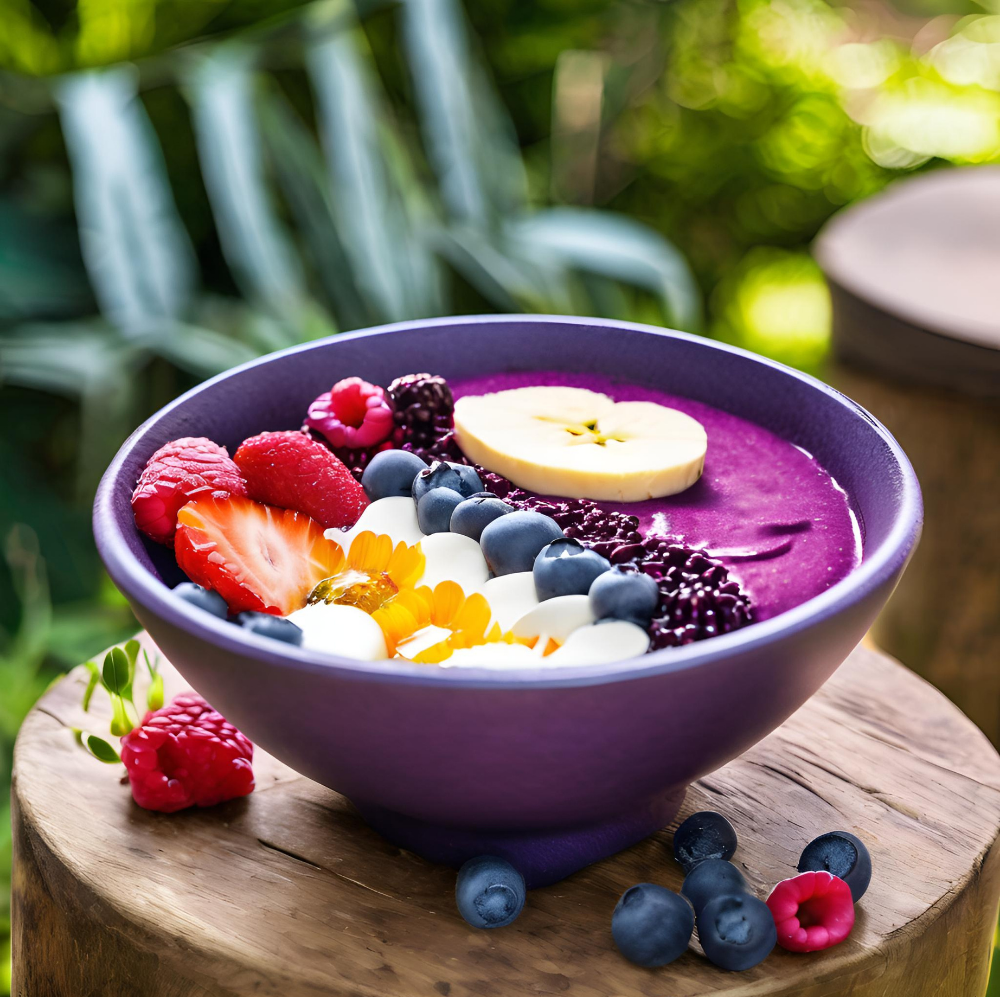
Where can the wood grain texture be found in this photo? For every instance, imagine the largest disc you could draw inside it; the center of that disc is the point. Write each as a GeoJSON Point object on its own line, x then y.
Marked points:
{"type": "Point", "coordinates": [944, 618]}
{"type": "Point", "coordinates": [288, 893]}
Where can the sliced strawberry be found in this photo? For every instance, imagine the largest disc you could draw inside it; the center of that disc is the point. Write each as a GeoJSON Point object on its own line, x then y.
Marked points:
{"type": "Point", "coordinates": [178, 472]}
{"type": "Point", "coordinates": [295, 471]}
{"type": "Point", "coordinates": [255, 556]}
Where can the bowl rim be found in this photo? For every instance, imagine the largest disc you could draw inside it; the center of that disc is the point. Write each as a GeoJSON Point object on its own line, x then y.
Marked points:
{"type": "Point", "coordinates": [141, 586]}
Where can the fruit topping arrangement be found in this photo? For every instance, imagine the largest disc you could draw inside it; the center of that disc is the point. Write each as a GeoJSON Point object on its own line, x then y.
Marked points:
{"type": "Point", "coordinates": [653, 926]}
{"type": "Point", "coordinates": [400, 523]}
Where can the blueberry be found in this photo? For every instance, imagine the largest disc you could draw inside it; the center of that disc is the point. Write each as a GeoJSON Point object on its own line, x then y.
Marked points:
{"type": "Point", "coordinates": [270, 626]}
{"type": "Point", "coordinates": [391, 473]}
{"type": "Point", "coordinates": [474, 514]}
{"type": "Point", "coordinates": [624, 595]}
{"type": "Point", "coordinates": [512, 542]}
{"type": "Point", "coordinates": [434, 510]}
{"type": "Point", "coordinates": [652, 925]}
{"type": "Point", "coordinates": [471, 482]}
{"type": "Point", "coordinates": [203, 598]}
{"type": "Point", "coordinates": [704, 835]}
{"type": "Point", "coordinates": [489, 892]}
{"type": "Point", "coordinates": [843, 855]}
{"type": "Point", "coordinates": [566, 567]}
{"type": "Point", "coordinates": [444, 474]}
{"type": "Point", "coordinates": [736, 932]}
{"type": "Point", "coordinates": [710, 879]}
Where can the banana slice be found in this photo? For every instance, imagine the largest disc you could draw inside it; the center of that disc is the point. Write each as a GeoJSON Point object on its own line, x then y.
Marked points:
{"type": "Point", "coordinates": [575, 443]}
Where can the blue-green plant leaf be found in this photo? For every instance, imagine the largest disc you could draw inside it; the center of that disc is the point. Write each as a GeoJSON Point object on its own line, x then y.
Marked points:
{"type": "Point", "coordinates": [617, 247]}
{"type": "Point", "coordinates": [260, 255]}
{"type": "Point", "coordinates": [301, 173]}
{"type": "Point", "coordinates": [507, 280]}
{"type": "Point", "coordinates": [137, 253]}
{"type": "Point", "coordinates": [202, 352]}
{"type": "Point", "coordinates": [374, 230]}
{"type": "Point", "coordinates": [469, 138]}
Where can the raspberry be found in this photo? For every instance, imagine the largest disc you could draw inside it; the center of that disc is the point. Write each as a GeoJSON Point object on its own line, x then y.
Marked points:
{"type": "Point", "coordinates": [424, 406]}
{"type": "Point", "coordinates": [294, 471]}
{"type": "Point", "coordinates": [186, 754]}
{"type": "Point", "coordinates": [353, 414]}
{"type": "Point", "coordinates": [177, 473]}
{"type": "Point", "coordinates": [813, 911]}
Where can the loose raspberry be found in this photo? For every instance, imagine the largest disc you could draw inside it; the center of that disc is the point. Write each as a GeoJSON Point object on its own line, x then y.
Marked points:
{"type": "Point", "coordinates": [353, 414]}
{"type": "Point", "coordinates": [187, 754]}
{"type": "Point", "coordinates": [294, 471]}
{"type": "Point", "coordinates": [813, 911]}
{"type": "Point", "coordinates": [178, 472]}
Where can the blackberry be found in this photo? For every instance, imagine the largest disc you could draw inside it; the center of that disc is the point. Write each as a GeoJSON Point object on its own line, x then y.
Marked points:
{"type": "Point", "coordinates": [423, 402]}
{"type": "Point", "coordinates": [439, 446]}
{"type": "Point", "coordinates": [698, 599]}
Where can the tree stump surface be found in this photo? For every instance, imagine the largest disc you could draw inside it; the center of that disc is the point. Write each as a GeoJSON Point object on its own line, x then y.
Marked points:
{"type": "Point", "coordinates": [288, 893]}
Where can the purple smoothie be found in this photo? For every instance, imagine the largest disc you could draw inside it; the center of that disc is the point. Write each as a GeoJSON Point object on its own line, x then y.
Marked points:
{"type": "Point", "coordinates": [767, 509]}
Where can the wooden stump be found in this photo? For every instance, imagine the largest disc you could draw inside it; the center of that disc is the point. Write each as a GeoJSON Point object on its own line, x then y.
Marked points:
{"type": "Point", "coordinates": [916, 335]}
{"type": "Point", "coordinates": [288, 893]}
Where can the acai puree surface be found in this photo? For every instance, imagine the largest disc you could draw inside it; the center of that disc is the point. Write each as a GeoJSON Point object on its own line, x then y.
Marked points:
{"type": "Point", "coordinates": [767, 509]}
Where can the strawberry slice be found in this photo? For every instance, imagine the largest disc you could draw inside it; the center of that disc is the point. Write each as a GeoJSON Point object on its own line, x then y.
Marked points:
{"type": "Point", "coordinates": [257, 557]}
{"type": "Point", "coordinates": [295, 471]}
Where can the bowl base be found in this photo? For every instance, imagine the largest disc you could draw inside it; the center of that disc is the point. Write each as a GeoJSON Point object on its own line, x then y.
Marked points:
{"type": "Point", "coordinates": [542, 855]}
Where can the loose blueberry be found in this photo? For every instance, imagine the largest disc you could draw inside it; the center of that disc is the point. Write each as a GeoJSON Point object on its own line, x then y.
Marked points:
{"type": "Point", "coordinates": [476, 513]}
{"type": "Point", "coordinates": [443, 474]}
{"type": "Point", "coordinates": [512, 542]}
{"type": "Point", "coordinates": [489, 892]}
{"type": "Point", "coordinates": [624, 595]}
{"type": "Point", "coordinates": [434, 510]}
{"type": "Point", "coordinates": [270, 626]}
{"type": "Point", "coordinates": [711, 879]}
{"type": "Point", "coordinates": [566, 567]}
{"type": "Point", "coordinates": [704, 835]}
{"type": "Point", "coordinates": [736, 932]}
{"type": "Point", "coordinates": [844, 856]}
{"type": "Point", "coordinates": [652, 925]}
{"type": "Point", "coordinates": [391, 473]}
{"type": "Point", "coordinates": [203, 598]}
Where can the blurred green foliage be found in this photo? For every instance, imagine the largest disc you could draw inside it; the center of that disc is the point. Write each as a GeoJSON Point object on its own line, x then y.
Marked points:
{"type": "Point", "coordinates": [185, 184]}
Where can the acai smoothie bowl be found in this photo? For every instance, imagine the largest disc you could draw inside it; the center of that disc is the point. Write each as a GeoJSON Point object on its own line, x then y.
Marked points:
{"type": "Point", "coordinates": [509, 583]}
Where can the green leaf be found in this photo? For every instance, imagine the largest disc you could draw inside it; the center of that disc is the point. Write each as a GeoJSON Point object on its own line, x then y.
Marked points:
{"type": "Point", "coordinates": [116, 671]}
{"type": "Point", "coordinates": [256, 248]}
{"type": "Point", "coordinates": [131, 649]}
{"type": "Point", "coordinates": [617, 247]}
{"type": "Point", "coordinates": [154, 695]}
{"type": "Point", "coordinates": [136, 250]}
{"type": "Point", "coordinates": [95, 677]}
{"type": "Point", "coordinates": [100, 749]}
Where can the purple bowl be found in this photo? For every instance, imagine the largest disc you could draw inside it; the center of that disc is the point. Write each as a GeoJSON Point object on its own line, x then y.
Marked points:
{"type": "Point", "coordinates": [551, 769]}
